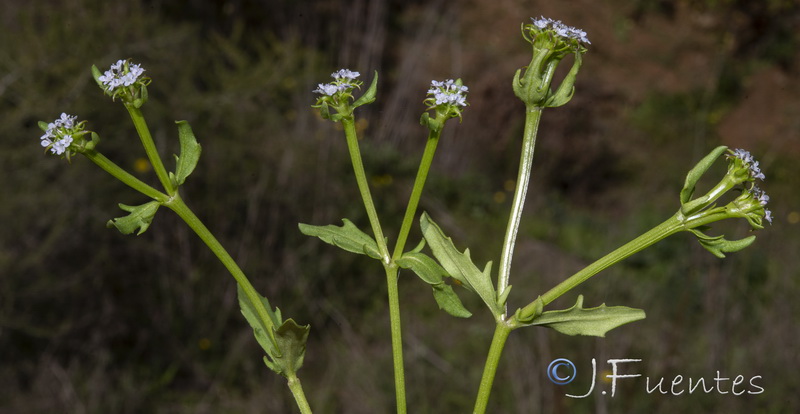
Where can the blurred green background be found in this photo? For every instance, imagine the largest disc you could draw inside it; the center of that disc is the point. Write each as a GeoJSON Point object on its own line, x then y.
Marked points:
{"type": "Point", "coordinates": [92, 321]}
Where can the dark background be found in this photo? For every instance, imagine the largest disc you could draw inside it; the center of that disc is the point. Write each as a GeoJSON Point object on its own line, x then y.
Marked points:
{"type": "Point", "coordinates": [92, 321]}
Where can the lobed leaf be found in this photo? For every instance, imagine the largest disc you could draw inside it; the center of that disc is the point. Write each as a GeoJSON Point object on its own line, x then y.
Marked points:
{"type": "Point", "coordinates": [347, 237]}
{"type": "Point", "coordinates": [718, 245]}
{"type": "Point", "coordinates": [459, 265]}
{"type": "Point", "coordinates": [578, 320]}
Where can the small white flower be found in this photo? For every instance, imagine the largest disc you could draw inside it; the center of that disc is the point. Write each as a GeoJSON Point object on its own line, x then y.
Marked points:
{"type": "Point", "coordinates": [327, 89]}
{"type": "Point", "coordinates": [66, 121]}
{"type": "Point", "coordinates": [541, 23]}
{"type": "Point", "coordinates": [345, 74]}
{"type": "Point", "coordinates": [61, 145]}
{"type": "Point", "coordinates": [768, 215]}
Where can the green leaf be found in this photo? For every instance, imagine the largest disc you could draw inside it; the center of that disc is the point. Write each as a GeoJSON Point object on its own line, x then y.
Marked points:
{"type": "Point", "coordinates": [347, 237]}
{"type": "Point", "coordinates": [190, 154]}
{"type": "Point", "coordinates": [291, 339]}
{"type": "Point", "coordinates": [140, 218]}
{"type": "Point", "coordinates": [448, 300]}
{"type": "Point", "coordinates": [263, 329]}
{"type": "Point", "coordinates": [694, 176]}
{"type": "Point", "coordinates": [718, 245]}
{"type": "Point", "coordinates": [431, 273]}
{"type": "Point", "coordinates": [459, 265]}
{"type": "Point", "coordinates": [426, 268]}
{"type": "Point", "coordinates": [96, 74]}
{"type": "Point", "coordinates": [592, 321]}
{"type": "Point", "coordinates": [285, 346]}
{"type": "Point", "coordinates": [369, 96]}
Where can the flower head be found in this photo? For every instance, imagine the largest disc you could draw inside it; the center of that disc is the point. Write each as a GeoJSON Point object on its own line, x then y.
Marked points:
{"type": "Point", "coordinates": [743, 168]}
{"type": "Point", "coordinates": [338, 95]}
{"type": "Point", "coordinates": [447, 92]}
{"type": "Point", "coordinates": [560, 29]}
{"type": "Point", "coordinates": [121, 74]}
{"type": "Point", "coordinates": [551, 41]}
{"type": "Point", "coordinates": [744, 161]}
{"type": "Point", "coordinates": [60, 135]}
{"type": "Point", "coordinates": [751, 205]}
{"type": "Point", "coordinates": [344, 81]}
{"type": "Point", "coordinates": [447, 98]}
{"type": "Point", "coordinates": [125, 80]}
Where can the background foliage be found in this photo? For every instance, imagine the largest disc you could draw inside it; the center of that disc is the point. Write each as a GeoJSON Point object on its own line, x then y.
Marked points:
{"type": "Point", "coordinates": [95, 322]}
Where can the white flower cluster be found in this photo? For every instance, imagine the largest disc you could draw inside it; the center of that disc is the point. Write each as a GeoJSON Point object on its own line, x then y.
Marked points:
{"type": "Point", "coordinates": [117, 76]}
{"type": "Point", "coordinates": [448, 92]}
{"type": "Point", "coordinates": [343, 80]}
{"type": "Point", "coordinates": [567, 32]}
{"type": "Point", "coordinates": [58, 135]}
{"type": "Point", "coordinates": [751, 163]}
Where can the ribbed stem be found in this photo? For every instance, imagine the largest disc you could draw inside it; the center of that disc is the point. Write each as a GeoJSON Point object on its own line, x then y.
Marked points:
{"type": "Point", "coordinates": [532, 119]}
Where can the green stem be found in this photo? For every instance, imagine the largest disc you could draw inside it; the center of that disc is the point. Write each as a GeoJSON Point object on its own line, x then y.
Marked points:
{"type": "Point", "coordinates": [667, 228]}
{"type": "Point", "coordinates": [299, 396]}
{"type": "Point", "coordinates": [363, 186]}
{"type": "Point", "coordinates": [150, 148]}
{"type": "Point", "coordinates": [501, 332]}
{"type": "Point", "coordinates": [122, 175]}
{"type": "Point", "coordinates": [397, 337]}
{"type": "Point", "coordinates": [532, 118]}
{"type": "Point", "coordinates": [416, 192]}
{"type": "Point", "coordinates": [391, 268]}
